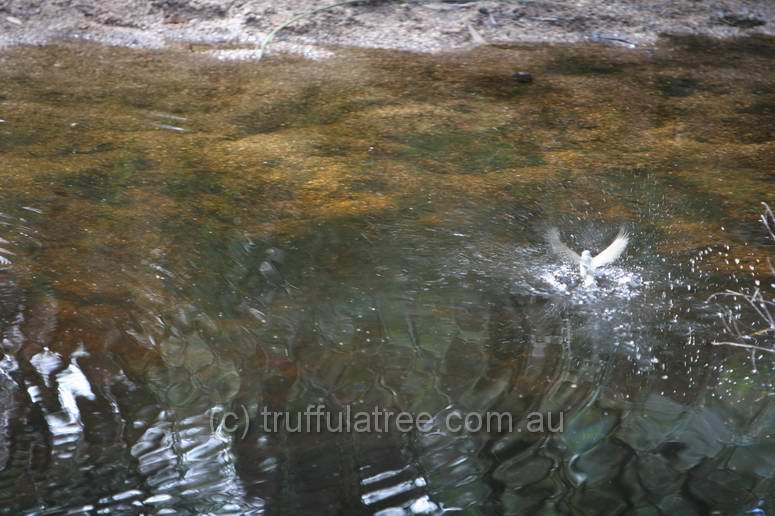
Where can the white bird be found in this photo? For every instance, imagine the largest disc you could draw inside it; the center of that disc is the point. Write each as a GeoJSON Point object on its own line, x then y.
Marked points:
{"type": "Point", "coordinates": [6, 252]}
{"type": "Point", "coordinates": [587, 263]}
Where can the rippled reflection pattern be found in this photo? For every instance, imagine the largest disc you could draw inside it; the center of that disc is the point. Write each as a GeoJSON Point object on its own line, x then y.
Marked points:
{"type": "Point", "coordinates": [299, 245]}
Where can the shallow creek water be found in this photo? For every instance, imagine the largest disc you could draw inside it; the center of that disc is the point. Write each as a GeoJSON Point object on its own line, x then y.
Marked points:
{"type": "Point", "coordinates": [187, 238]}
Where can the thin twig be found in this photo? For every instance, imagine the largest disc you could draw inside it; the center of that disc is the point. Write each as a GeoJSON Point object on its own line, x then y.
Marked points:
{"type": "Point", "coordinates": [475, 36]}
{"type": "Point", "coordinates": [746, 346]}
{"type": "Point", "coordinates": [268, 39]}
{"type": "Point", "coordinates": [762, 307]}
{"type": "Point", "coordinates": [768, 219]}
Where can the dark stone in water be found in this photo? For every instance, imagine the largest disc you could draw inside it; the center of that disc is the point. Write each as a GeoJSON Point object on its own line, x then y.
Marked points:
{"type": "Point", "coordinates": [522, 77]}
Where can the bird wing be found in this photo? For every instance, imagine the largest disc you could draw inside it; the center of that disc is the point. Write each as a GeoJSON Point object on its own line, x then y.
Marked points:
{"type": "Point", "coordinates": [560, 249]}
{"type": "Point", "coordinates": [611, 253]}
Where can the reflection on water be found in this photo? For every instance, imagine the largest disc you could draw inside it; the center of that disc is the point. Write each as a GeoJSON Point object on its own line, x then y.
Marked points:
{"type": "Point", "coordinates": [182, 238]}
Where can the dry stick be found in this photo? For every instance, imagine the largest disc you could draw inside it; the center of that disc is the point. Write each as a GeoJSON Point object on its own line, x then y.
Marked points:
{"type": "Point", "coordinates": [268, 39]}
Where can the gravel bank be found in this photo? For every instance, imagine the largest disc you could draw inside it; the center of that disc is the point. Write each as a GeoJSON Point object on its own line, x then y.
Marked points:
{"type": "Point", "coordinates": [421, 26]}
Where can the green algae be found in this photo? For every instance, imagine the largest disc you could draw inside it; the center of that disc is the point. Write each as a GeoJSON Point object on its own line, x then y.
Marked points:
{"type": "Point", "coordinates": [90, 133]}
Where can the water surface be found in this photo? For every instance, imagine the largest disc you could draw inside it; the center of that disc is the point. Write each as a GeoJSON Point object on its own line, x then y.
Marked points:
{"type": "Point", "coordinates": [187, 236]}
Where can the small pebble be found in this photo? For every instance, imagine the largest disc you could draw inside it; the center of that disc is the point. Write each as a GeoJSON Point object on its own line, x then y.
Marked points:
{"type": "Point", "coordinates": [522, 77]}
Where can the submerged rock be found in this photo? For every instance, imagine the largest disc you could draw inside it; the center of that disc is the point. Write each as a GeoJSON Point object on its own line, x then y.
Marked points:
{"type": "Point", "coordinates": [522, 77]}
